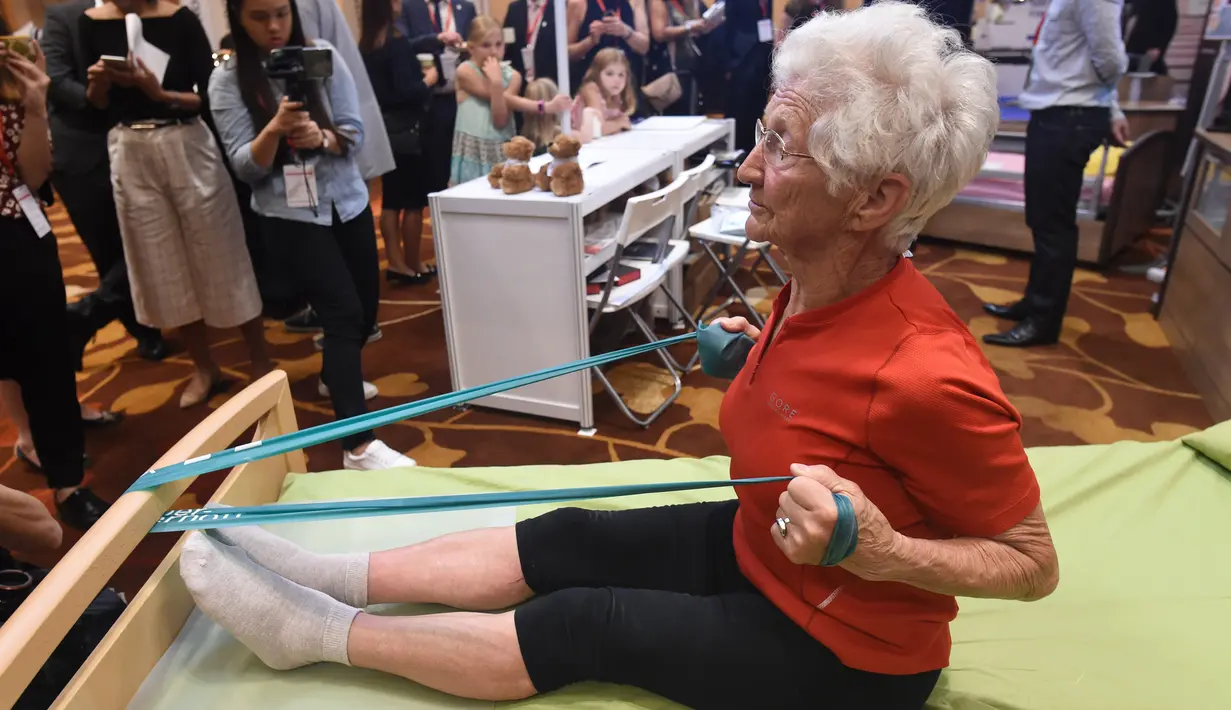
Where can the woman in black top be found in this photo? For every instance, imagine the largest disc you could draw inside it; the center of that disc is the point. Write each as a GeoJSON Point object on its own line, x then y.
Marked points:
{"type": "Point", "coordinates": [598, 24]}
{"type": "Point", "coordinates": [179, 219]}
{"type": "Point", "coordinates": [35, 347]}
{"type": "Point", "coordinates": [403, 89]}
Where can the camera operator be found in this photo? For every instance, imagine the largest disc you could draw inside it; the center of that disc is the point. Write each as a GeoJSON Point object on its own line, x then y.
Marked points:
{"type": "Point", "coordinates": [179, 218]}
{"type": "Point", "coordinates": [292, 132]}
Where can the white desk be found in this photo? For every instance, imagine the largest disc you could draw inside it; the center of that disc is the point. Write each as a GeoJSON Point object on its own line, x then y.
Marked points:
{"type": "Point", "coordinates": [512, 280]}
{"type": "Point", "coordinates": [683, 143]}
{"type": "Point", "coordinates": [512, 269]}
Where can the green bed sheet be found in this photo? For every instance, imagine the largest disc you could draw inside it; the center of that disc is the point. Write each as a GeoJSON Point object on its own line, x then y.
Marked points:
{"type": "Point", "coordinates": [1141, 620]}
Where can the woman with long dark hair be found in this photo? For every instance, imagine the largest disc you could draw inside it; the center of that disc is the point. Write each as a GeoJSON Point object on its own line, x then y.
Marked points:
{"type": "Point", "coordinates": [403, 89]}
{"type": "Point", "coordinates": [306, 186]}
{"type": "Point", "coordinates": [35, 347]}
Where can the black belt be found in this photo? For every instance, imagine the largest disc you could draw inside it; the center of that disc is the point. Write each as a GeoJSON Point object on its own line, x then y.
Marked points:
{"type": "Point", "coordinates": [148, 124]}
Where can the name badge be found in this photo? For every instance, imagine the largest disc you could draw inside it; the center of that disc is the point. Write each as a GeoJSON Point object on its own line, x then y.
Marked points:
{"type": "Point", "coordinates": [33, 210]}
{"type": "Point", "coordinates": [765, 30]}
{"type": "Point", "coordinates": [448, 67]}
{"type": "Point", "coordinates": [527, 60]}
{"type": "Point", "coordinates": [300, 183]}
{"type": "Point", "coordinates": [509, 36]}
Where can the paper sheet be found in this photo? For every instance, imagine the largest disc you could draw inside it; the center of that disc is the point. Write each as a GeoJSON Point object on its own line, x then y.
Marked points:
{"type": "Point", "coordinates": [670, 123]}
{"type": "Point", "coordinates": [154, 59]}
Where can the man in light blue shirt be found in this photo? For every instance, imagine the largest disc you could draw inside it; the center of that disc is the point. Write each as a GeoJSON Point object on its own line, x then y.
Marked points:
{"type": "Point", "coordinates": [1071, 96]}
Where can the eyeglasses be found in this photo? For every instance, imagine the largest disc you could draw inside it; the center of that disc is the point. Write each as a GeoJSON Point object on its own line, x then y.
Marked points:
{"type": "Point", "coordinates": [773, 148]}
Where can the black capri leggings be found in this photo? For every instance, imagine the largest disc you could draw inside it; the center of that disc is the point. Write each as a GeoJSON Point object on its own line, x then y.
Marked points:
{"type": "Point", "coordinates": [654, 598]}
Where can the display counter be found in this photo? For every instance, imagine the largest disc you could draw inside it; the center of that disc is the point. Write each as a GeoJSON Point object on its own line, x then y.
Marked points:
{"type": "Point", "coordinates": [1120, 192]}
{"type": "Point", "coordinates": [1196, 299]}
{"type": "Point", "coordinates": [513, 268]}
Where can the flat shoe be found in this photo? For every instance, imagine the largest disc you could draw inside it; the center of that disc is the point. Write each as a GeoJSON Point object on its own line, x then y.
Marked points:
{"type": "Point", "coordinates": [105, 417]}
{"type": "Point", "coordinates": [187, 399]}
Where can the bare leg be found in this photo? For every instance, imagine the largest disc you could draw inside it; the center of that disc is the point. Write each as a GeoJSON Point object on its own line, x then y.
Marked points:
{"type": "Point", "coordinates": [390, 232]}
{"type": "Point", "coordinates": [196, 340]}
{"type": "Point", "coordinates": [254, 335]}
{"type": "Point", "coordinates": [476, 569]}
{"type": "Point", "coordinates": [464, 654]}
{"type": "Point", "coordinates": [412, 239]}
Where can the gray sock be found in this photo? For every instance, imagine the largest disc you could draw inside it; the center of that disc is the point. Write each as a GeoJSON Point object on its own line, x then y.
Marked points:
{"type": "Point", "coordinates": [284, 624]}
{"type": "Point", "coordinates": [343, 577]}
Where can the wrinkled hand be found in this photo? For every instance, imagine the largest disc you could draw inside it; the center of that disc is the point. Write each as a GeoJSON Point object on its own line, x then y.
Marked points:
{"type": "Point", "coordinates": [290, 117]}
{"type": "Point", "coordinates": [431, 76]}
{"type": "Point", "coordinates": [491, 70]}
{"type": "Point", "coordinates": [808, 502]}
{"type": "Point", "coordinates": [31, 77]}
{"type": "Point", "coordinates": [1119, 131]}
{"type": "Point", "coordinates": [738, 324]}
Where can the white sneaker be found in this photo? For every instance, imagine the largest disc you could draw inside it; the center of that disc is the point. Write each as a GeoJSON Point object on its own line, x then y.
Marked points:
{"type": "Point", "coordinates": [376, 457]}
{"type": "Point", "coordinates": [369, 390]}
{"type": "Point", "coordinates": [1156, 274]}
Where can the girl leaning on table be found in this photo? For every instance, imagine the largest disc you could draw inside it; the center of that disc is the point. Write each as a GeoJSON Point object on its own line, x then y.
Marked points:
{"type": "Point", "coordinates": [607, 100]}
{"type": "Point", "coordinates": [35, 349]}
{"type": "Point", "coordinates": [311, 198]}
{"type": "Point", "coordinates": [488, 91]}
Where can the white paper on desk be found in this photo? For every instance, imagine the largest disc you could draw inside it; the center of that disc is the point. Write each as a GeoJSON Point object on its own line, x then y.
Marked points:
{"type": "Point", "coordinates": [670, 123]}
{"type": "Point", "coordinates": [734, 223]}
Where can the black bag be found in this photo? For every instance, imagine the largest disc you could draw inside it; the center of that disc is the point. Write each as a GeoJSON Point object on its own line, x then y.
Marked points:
{"type": "Point", "coordinates": [405, 131]}
{"type": "Point", "coordinates": [77, 644]}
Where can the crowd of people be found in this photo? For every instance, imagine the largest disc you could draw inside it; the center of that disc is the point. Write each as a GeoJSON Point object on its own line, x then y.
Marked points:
{"type": "Point", "coordinates": [145, 142]}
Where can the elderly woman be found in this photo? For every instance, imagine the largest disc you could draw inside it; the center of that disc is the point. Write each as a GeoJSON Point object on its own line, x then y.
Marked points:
{"type": "Point", "coordinates": [864, 384]}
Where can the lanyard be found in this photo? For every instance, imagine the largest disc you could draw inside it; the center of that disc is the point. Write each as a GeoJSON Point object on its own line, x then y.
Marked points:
{"type": "Point", "coordinates": [679, 8]}
{"type": "Point", "coordinates": [602, 5]}
{"type": "Point", "coordinates": [1038, 30]}
{"type": "Point", "coordinates": [532, 29]}
{"type": "Point", "coordinates": [764, 9]}
{"type": "Point", "coordinates": [442, 27]}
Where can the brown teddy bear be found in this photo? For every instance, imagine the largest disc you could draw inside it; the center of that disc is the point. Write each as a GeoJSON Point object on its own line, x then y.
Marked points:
{"type": "Point", "coordinates": [493, 178]}
{"type": "Point", "coordinates": [566, 176]}
{"type": "Point", "coordinates": [516, 178]}
{"type": "Point", "coordinates": [542, 180]}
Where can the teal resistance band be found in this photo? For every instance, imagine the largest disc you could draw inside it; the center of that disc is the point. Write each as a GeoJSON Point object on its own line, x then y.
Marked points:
{"type": "Point", "coordinates": [312, 436]}
{"type": "Point", "coordinates": [845, 533]}
{"type": "Point", "coordinates": [223, 517]}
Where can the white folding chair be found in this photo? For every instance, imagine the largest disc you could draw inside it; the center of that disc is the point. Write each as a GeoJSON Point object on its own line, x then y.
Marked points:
{"type": "Point", "coordinates": [709, 235]}
{"type": "Point", "coordinates": [641, 215]}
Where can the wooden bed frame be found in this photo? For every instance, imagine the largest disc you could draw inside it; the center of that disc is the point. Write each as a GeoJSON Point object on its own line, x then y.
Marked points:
{"type": "Point", "coordinates": [119, 665]}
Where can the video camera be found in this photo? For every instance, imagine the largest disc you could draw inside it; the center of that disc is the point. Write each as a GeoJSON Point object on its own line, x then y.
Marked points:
{"type": "Point", "coordinates": [299, 67]}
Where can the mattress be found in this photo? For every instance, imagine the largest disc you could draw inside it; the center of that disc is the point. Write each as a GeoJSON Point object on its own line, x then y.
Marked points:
{"type": "Point", "coordinates": [1140, 620]}
{"type": "Point", "coordinates": [1001, 179]}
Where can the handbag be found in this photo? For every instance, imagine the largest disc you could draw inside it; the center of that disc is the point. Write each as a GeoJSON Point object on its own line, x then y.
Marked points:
{"type": "Point", "coordinates": [405, 131]}
{"type": "Point", "coordinates": [663, 91]}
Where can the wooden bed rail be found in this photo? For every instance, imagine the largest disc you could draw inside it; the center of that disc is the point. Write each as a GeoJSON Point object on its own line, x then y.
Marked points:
{"type": "Point", "coordinates": [119, 664]}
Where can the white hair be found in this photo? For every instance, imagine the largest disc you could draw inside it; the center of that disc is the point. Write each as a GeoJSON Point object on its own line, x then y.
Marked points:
{"type": "Point", "coordinates": [890, 91]}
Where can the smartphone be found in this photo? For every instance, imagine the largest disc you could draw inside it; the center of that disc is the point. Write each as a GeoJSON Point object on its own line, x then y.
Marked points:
{"type": "Point", "coordinates": [20, 45]}
{"type": "Point", "coordinates": [113, 62]}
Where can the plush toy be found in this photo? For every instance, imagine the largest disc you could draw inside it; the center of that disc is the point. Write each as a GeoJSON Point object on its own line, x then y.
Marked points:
{"type": "Point", "coordinates": [542, 180]}
{"type": "Point", "coordinates": [566, 176]}
{"type": "Point", "coordinates": [516, 177]}
{"type": "Point", "coordinates": [493, 178]}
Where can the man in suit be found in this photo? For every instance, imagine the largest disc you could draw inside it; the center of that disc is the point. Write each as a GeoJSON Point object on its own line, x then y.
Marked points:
{"type": "Point", "coordinates": [323, 19]}
{"type": "Point", "coordinates": [531, 23]}
{"type": "Point", "coordinates": [747, 37]}
{"type": "Point", "coordinates": [81, 174]}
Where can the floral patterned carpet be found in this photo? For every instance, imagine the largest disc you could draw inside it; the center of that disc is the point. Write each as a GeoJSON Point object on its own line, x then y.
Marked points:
{"type": "Point", "coordinates": [1112, 377]}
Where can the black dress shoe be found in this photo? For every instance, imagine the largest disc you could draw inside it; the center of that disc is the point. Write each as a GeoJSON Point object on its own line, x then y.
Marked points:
{"type": "Point", "coordinates": [81, 509]}
{"type": "Point", "coordinates": [152, 349]}
{"type": "Point", "coordinates": [1013, 311]}
{"type": "Point", "coordinates": [1028, 332]}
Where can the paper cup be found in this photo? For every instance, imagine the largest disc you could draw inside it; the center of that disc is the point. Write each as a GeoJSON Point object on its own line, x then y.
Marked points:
{"type": "Point", "coordinates": [426, 61]}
